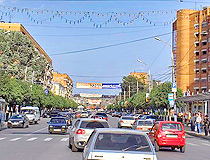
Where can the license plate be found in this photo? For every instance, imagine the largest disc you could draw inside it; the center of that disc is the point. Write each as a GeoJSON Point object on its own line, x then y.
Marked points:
{"type": "Point", "coordinates": [57, 130]}
{"type": "Point", "coordinates": [171, 136]}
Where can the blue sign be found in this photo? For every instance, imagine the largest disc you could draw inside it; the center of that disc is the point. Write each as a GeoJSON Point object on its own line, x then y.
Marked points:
{"type": "Point", "coordinates": [46, 91]}
{"type": "Point", "coordinates": [171, 97]}
{"type": "Point", "coordinates": [174, 88]}
{"type": "Point", "coordinates": [111, 85]}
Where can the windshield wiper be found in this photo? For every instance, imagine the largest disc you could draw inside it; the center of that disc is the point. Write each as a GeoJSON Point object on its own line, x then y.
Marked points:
{"type": "Point", "coordinates": [141, 147]}
{"type": "Point", "coordinates": [130, 147]}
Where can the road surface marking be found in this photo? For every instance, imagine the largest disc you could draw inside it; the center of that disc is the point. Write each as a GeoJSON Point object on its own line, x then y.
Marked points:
{"type": "Point", "coordinates": [36, 131]}
{"type": "Point", "coordinates": [206, 144]}
{"type": "Point", "coordinates": [192, 144]}
{"type": "Point", "coordinates": [14, 139]}
{"type": "Point", "coordinates": [64, 139]}
{"type": "Point", "coordinates": [2, 138]}
{"type": "Point", "coordinates": [47, 139]}
{"type": "Point", "coordinates": [31, 139]}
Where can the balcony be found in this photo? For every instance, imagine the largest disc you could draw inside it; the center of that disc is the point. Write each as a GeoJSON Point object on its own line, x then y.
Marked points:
{"type": "Point", "coordinates": [204, 51]}
{"type": "Point", "coordinates": [204, 33]}
{"type": "Point", "coordinates": [196, 52]}
{"type": "Point", "coordinates": [204, 42]}
{"type": "Point", "coordinates": [196, 34]}
{"type": "Point", "coordinates": [196, 61]}
{"type": "Point", "coordinates": [204, 60]}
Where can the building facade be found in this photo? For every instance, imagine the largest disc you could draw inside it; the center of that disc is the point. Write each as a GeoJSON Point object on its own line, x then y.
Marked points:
{"type": "Point", "coordinates": [191, 42]}
{"type": "Point", "coordinates": [47, 78]}
{"type": "Point", "coordinates": [65, 81]}
{"type": "Point", "coordinates": [141, 76]}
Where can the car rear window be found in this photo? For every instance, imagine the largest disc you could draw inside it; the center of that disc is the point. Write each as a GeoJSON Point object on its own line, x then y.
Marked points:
{"type": "Point", "coordinates": [101, 114]}
{"type": "Point", "coordinates": [94, 124]}
{"type": "Point", "coordinates": [128, 118]}
{"type": "Point", "coordinates": [145, 123]}
{"type": "Point", "coordinates": [122, 142]}
{"type": "Point", "coordinates": [57, 120]}
{"type": "Point", "coordinates": [171, 126]}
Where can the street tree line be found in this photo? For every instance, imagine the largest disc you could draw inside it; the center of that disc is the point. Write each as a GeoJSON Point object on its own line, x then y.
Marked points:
{"type": "Point", "coordinates": [19, 92]}
{"type": "Point", "coordinates": [158, 98]}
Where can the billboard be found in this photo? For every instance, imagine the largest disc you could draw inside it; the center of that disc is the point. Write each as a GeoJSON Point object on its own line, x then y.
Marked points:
{"type": "Point", "coordinates": [111, 85]}
{"type": "Point", "coordinates": [86, 95]}
{"type": "Point", "coordinates": [94, 101]}
{"type": "Point", "coordinates": [82, 85]}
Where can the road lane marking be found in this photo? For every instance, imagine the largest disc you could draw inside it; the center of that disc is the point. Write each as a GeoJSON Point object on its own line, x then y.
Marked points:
{"type": "Point", "coordinates": [15, 139]}
{"type": "Point", "coordinates": [36, 131]}
{"type": "Point", "coordinates": [64, 139]}
{"type": "Point", "coordinates": [47, 139]}
{"type": "Point", "coordinates": [192, 144]}
{"type": "Point", "coordinates": [206, 144]}
{"type": "Point", "coordinates": [31, 139]}
{"type": "Point", "coordinates": [2, 138]}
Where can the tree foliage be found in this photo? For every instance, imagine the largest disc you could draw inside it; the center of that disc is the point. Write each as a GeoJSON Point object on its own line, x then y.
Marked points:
{"type": "Point", "coordinates": [19, 57]}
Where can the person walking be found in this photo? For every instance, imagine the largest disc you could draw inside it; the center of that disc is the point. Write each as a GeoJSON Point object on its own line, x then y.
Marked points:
{"type": "Point", "coordinates": [192, 120]}
{"type": "Point", "coordinates": [198, 122]}
{"type": "Point", "coordinates": [206, 125]}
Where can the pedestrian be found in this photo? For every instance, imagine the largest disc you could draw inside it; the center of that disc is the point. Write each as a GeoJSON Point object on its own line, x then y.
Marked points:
{"type": "Point", "coordinates": [192, 122]}
{"type": "Point", "coordinates": [206, 125]}
{"type": "Point", "coordinates": [198, 122]}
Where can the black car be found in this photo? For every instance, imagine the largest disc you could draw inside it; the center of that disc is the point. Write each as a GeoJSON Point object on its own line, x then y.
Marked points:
{"type": "Point", "coordinates": [102, 115]}
{"type": "Point", "coordinates": [57, 125]}
{"type": "Point", "coordinates": [19, 120]}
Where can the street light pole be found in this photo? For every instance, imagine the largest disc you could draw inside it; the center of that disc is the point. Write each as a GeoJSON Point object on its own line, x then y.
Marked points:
{"type": "Point", "coordinates": [173, 74]}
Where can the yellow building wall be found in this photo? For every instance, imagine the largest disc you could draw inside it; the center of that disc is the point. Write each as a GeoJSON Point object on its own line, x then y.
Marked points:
{"type": "Point", "coordinates": [141, 76]}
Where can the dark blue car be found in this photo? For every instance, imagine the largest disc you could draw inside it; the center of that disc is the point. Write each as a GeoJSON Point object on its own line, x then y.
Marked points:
{"type": "Point", "coordinates": [57, 125]}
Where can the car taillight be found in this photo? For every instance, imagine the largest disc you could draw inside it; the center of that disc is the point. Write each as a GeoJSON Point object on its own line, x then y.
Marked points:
{"type": "Point", "coordinates": [183, 136]}
{"type": "Point", "coordinates": [121, 122]}
{"type": "Point", "coordinates": [139, 128]}
{"type": "Point", "coordinates": [80, 131]}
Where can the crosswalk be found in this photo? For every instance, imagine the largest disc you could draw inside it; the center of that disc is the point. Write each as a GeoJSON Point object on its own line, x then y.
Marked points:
{"type": "Point", "coordinates": [33, 139]}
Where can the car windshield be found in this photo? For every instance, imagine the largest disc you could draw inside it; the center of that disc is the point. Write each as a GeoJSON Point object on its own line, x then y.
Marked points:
{"type": "Point", "coordinates": [171, 126]}
{"type": "Point", "coordinates": [145, 123]}
{"type": "Point", "coordinates": [57, 120]}
{"type": "Point", "coordinates": [127, 118]}
{"type": "Point", "coordinates": [151, 117]}
{"type": "Point", "coordinates": [16, 117]}
{"type": "Point", "coordinates": [122, 142]}
{"type": "Point", "coordinates": [28, 111]}
{"type": "Point", "coordinates": [94, 124]}
{"type": "Point", "coordinates": [101, 114]}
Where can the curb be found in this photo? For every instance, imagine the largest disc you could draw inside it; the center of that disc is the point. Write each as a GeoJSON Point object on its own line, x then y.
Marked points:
{"type": "Point", "coordinates": [197, 135]}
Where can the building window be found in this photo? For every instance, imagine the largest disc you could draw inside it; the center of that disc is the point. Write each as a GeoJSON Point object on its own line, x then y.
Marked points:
{"type": "Point", "coordinates": [204, 60]}
{"type": "Point", "coordinates": [197, 43]}
{"type": "Point", "coordinates": [204, 24]}
{"type": "Point", "coordinates": [204, 33]}
{"type": "Point", "coordinates": [197, 71]}
{"type": "Point", "coordinates": [196, 34]}
{"type": "Point", "coordinates": [204, 42]}
{"type": "Point", "coordinates": [196, 26]}
{"type": "Point", "coordinates": [197, 53]}
{"type": "Point", "coordinates": [196, 61]}
{"type": "Point", "coordinates": [204, 51]}
{"type": "Point", "coordinates": [203, 70]}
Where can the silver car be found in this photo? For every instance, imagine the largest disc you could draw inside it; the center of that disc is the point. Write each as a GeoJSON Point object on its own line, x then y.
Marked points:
{"type": "Point", "coordinates": [126, 121]}
{"type": "Point", "coordinates": [118, 144]}
{"type": "Point", "coordinates": [81, 131]}
{"type": "Point", "coordinates": [143, 125]}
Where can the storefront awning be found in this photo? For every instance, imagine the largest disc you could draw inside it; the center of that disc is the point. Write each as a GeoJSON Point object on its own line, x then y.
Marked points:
{"type": "Point", "coordinates": [198, 97]}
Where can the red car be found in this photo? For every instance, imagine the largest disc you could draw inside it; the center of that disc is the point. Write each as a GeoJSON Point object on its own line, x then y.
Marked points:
{"type": "Point", "coordinates": [168, 134]}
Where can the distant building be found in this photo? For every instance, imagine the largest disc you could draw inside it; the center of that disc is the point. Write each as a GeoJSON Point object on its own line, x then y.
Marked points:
{"type": "Point", "coordinates": [141, 76]}
{"type": "Point", "coordinates": [191, 50]}
{"type": "Point", "coordinates": [65, 81]}
{"type": "Point", "coordinates": [58, 89]}
{"type": "Point", "coordinates": [46, 80]}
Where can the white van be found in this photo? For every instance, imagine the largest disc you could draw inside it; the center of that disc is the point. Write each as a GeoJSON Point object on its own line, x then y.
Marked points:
{"type": "Point", "coordinates": [32, 113]}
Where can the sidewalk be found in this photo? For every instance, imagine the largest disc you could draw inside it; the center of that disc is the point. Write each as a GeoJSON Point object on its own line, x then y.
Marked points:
{"type": "Point", "coordinates": [194, 133]}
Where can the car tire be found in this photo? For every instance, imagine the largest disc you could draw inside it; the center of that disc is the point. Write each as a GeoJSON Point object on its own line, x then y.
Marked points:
{"type": "Point", "coordinates": [70, 146]}
{"type": "Point", "coordinates": [172, 148]}
{"type": "Point", "coordinates": [157, 148]}
{"type": "Point", "coordinates": [9, 126]}
{"type": "Point", "coordinates": [182, 149]}
{"type": "Point", "coordinates": [74, 148]}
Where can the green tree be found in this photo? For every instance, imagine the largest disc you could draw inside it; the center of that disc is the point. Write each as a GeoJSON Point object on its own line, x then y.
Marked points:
{"type": "Point", "coordinates": [19, 57]}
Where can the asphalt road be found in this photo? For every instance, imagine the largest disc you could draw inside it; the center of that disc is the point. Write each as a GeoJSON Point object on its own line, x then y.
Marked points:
{"type": "Point", "coordinates": [35, 143]}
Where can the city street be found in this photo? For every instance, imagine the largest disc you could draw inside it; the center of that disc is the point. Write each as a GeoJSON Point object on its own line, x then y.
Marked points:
{"type": "Point", "coordinates": [35, 143]}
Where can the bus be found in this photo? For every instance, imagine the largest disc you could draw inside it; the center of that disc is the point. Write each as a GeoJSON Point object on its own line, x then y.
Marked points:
{"type": "Point", "coordinates": [2, 113]}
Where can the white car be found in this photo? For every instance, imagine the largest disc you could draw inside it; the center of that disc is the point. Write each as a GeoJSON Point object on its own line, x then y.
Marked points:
{"type": "Point", "coordinates": [118, 144]}
{"type": "Point", "coordinates": [143, 125]}
{"type": "Point", "coordinates": [32, 113]}
{"type": "Point", "coordinates": [81, 131]}
{"type": "Point", "coordinates": [126, 121]}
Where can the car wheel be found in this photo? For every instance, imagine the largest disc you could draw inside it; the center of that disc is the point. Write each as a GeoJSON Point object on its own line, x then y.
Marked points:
{"type": "Point", "coordinates": [182, 149]}
{"type": "Point", "coordinates": [157, 148]}
{"type": "Point", "coordinates": [9, 126]}
{"type": "Point", "coordinates": [70, 146]}
{"type": "Point", "coordinates": [74, 148]}
{"type": "Point", "coordinates": [172, 148]}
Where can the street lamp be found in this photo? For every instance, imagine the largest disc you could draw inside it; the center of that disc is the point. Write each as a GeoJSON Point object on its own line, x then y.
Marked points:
{"type": "Point", "coordinates": [149, 75]}
{"type": "Point", "coordinates": [173, 72]}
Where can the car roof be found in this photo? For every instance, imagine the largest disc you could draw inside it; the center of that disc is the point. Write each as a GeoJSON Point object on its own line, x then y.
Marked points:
{"type": "Point", "coordinates": [58, 118]}
{"type": "Point", "coordinates": [146, 120]}
{"type": "Point", "coordinates": [118, 130]}
{"type": "Point", "coordinates": [92, 119]}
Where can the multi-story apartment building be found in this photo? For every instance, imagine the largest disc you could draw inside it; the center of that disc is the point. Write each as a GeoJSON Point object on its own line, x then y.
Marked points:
{"type": "Point", "coordinates": [191, 50]}
{"type": "Point", "coordinates": [58, 89]}
{"type": "Point", "coordinates": [46, 79]}
{"type": "Point", "coordinates": [65, 81]}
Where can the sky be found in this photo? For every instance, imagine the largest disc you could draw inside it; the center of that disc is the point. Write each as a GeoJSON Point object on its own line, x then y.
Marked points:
{"type": "Point", "coordinates": [106, 53]}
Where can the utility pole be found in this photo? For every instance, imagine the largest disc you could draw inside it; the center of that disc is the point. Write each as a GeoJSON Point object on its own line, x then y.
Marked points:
{"type": "Point", "coordinates": [129, 92]}
{"type": "Point", "coordinates": [137, 86]}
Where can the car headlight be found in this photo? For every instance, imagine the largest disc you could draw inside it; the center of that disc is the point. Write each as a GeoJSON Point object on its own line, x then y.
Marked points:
{"type": "Point", "coordinates": [51, 126]}
{"type": "Point", "coordinates": [63, 126]}
{"type": "Point", "coordinates": [20, 121]}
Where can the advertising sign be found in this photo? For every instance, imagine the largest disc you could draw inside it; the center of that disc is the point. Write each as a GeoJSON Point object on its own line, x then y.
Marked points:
{"type": "Point", "coordinates": [95, 85]}
{"type": "Point", "coordinates": [171, 97]}
{"type": "Point", "coordinates": [90, 95]}
{"type": "Point", "coordinates": [94, 101]}
{"type": "Point", "coordinates": [174, 88]}
{"type": "Point", "coordinates": [111, 85]}
{"type": "Point", "coordinates": [83, 85]}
